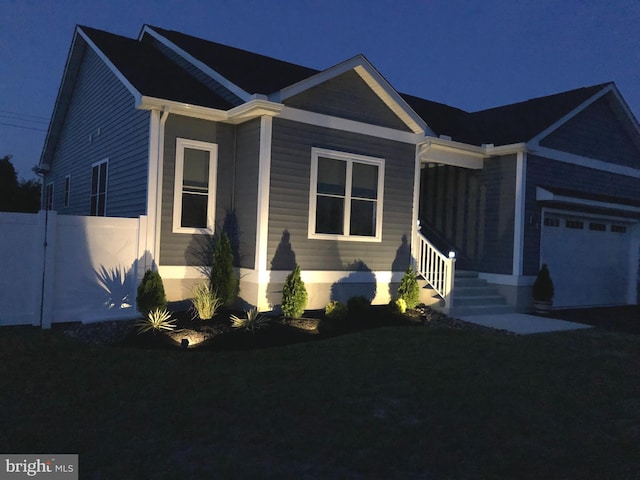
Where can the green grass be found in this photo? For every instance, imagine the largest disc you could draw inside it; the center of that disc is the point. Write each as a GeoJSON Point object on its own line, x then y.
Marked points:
{"type": "Point", "coordinates": [404, 402]}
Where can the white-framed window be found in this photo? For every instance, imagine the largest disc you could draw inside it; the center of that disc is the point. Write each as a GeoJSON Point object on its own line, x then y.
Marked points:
{"type": "Point", "coordinates": [99, 188]}
{"type": "Point", "coordinates": [48, 196]}
{"type": "Point", "coordinates": [194, 198]}
{"type": "Point", "coordinates": [346, 195]}
{"type": "Point", "coordinates": [67, 190]}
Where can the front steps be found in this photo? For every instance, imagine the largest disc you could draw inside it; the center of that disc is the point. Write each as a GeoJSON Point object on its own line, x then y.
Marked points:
{"type": "Point", "coordinates": [471, 296]}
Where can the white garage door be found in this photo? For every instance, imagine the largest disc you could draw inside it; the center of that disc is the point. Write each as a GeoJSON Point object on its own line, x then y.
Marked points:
{"type": "Point", "coordinates": [588, 258]}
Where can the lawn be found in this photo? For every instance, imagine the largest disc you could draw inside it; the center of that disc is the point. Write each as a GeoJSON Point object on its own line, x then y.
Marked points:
{"type": "Point", "coordinates": [392, 402]}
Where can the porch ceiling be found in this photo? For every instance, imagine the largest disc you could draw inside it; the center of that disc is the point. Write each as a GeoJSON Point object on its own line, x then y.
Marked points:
{"type": "Point", "coordinates": [448, 152]}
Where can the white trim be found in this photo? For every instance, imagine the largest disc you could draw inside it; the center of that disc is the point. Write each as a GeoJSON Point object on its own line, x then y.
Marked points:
{"type": "Point", "coordinates": [557, 124]}
{"type": "Point", "coordinates": [585, 161]}
{"type": "Point", "coordinates": [337, 123]}
{"type": "Point", "coordinates": [204, 68]}
{"type": "Point", "coordinates": [136, 94]}
{"type": "Point", "coordinates": [416, 205]}
{"type": "Point", "coordinates": [196, 111]}
{"type": "Point", "coordinates": [543, 194]}
{"type": "Point", "coordinates": [319, 276]}
{"type": "Point", "coordinates": [212, 148]}
{"type": "Point", "coordinates": [374, 80]}
{"type": "Point", "coordinates": [254, 108]}
{"type": "Point", "coordinates": [349, 159]}
{"type": "Point", "coordinates": [106, 187]}
{"type": "Point", "coordinates": [49, 185]}
{"type": "Point", "coordinates": [519, 208]}
{"type": "Point", "coordinates": [586, 215]}
{"type": "Point", "coordinates": [264, 178]}
{"type": "Point", "coordinates": [448, 152]}
{"type": "Point", "coordinates": [174, 272]}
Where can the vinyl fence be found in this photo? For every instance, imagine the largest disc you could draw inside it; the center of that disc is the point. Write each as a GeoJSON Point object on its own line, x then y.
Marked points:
{"type": "Point", "coordinates": [62, 268]}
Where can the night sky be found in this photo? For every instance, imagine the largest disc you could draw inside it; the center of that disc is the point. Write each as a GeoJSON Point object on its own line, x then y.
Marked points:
{"type": "Point", "coordinates": [468, 54]}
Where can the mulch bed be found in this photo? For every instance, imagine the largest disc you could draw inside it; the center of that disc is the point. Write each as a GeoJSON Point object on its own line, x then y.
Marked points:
{"type": "Point", "coordinates": [217, 334]}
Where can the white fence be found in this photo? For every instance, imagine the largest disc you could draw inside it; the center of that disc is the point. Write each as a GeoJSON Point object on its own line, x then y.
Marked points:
{"type": "Point", "coordinates": [61, 268]}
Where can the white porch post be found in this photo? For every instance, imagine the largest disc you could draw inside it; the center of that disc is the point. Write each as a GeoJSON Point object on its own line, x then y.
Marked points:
{"type": "Point", "coordinates": [519, 213]}
{"type": "Point", "coordinates": [262, 227]}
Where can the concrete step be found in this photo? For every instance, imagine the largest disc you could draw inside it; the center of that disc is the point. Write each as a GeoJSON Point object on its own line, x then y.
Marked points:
{"type": "Point", "coordinates": [459, 291]}
{"type": "Point", "coordinates": [458, 312]}
{"type": "Point", "coordinates": [479, 300]}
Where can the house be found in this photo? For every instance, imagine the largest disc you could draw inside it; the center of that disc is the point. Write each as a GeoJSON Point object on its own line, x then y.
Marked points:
{"type": "Point", "coordinates": [338, 172]}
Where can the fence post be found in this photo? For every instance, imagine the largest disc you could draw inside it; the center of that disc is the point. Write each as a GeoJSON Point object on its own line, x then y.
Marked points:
{"type": "Point", "coordinates": [448, 283]}
{"type": "Point", "coordinates": [49, 264]}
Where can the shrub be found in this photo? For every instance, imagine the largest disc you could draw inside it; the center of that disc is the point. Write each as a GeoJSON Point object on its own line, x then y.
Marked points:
{"type": "Point", "coordinates": [223, 279]}
{"type": "Point", "coordinates": [358, 306]}
{"type": "Point", "coordinates": [399, 305]}
{"type": "Point", "coordinates": [409, 290]}
{"type": "Point", "coordinates": [151, 293]}
{"type": "Point", "coordinates": [156, 320]}
{"type": "Point", "coordinates": [253, 321]}
{"type": "Point", "coordinates": [335, 310]}
{"type": "Point", "coordinates": [294, 295]}
{"type": "Point", "coordinates": [205, 301]}
{"type": "Point", "coordinates": [543, 286]}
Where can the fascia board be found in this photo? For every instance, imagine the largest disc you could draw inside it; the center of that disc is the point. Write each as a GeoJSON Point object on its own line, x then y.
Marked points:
{"type": "Point", "coordinates": [186, 109]}
{"type": "Point", "coordinates": [543, 195]}
{"type": "Point", "coordinates": [253, 109]}
{"type": "Point", "coordinates": [136, 94]}
{"type": "Point", "coordinates": [204, 68]}
{"type": "Point", "coordinates": [373, 78]}
{"type": "Point", "coordinates": [536, 140]}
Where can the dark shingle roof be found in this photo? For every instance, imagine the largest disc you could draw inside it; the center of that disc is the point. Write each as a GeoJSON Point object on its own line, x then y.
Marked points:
{"type": "Point", "coordinates": [252, 72]}
{"type": "Point", "coordinates": [151, 73]}
{"type": "Point", "coordinates": [514, 123]}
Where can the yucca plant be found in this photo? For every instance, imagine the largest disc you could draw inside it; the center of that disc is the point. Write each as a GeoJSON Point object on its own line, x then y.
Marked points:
{"type": "Point", "coordinates": [205, 301]}
{"type": "Point", "coordinates": [156, 320]}
{"type": "Point", "coordinates": [253, 321]}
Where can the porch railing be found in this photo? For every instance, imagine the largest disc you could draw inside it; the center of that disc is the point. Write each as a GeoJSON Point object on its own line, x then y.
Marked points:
{"type": "Point", "coordinates": [436, 268]}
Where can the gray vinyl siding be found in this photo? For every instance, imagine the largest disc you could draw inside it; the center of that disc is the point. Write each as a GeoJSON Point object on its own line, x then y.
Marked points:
{"type": "Point", "coordinates": [550, 173]}
{"type": "Point", "coordinates": [597, 133]}
{"type": "Point", "coordinates": [102, 122]}
{"type": "Point", "coordinates": [194, 71]}
{"type": "Point", "coordinates": [472, 211]}
{"type": "Point", "coordinates": [248, 152]}
{"type": "Point", "coordinates": [181, 248]}
{"type": "Point", "coordinates": [347, 96]}
{"type": "Point", "coordinates": [289, 200]}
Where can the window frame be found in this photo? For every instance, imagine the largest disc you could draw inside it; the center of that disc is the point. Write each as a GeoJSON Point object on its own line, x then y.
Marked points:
{"type": "Point", "coordinates": [212, 148]}
{"type": "Point", "coordinates": [98, 193]}
{"type": "Point", "coordinates": [349, 159]}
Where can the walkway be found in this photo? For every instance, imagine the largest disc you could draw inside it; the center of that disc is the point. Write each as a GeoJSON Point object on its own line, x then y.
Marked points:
{"type": "Point", "coordinates": [522, 323]}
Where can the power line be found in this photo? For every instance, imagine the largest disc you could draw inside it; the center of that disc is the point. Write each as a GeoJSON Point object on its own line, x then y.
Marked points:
{"type": "Point", "coordinates": [22, 126]}
{"type": "Point", "coordinates": [13, 117]}
{"type": "Point", "coordinates": [24, 115]}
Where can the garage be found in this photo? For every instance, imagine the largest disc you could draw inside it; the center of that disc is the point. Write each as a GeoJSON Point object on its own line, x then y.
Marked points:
{"type": "Point", "coordinates": [590, 258]}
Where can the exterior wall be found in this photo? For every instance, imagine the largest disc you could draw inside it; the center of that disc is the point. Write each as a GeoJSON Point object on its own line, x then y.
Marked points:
{"type": "Point", "coordinates": [473, 212]}
{"type": "Point", "coordinates": [246, 187]}
{"type": "Point", "coordinates": [289, 202]}
{"type": "Point", "coordinates": [545, 172]}
{"type": "Point", "coordinates": [180, 248]}
{"type": "Point", "coordinates": [102, 122]}
{"type": "Point", "coordinates": [347, 96]}
{"type": "Point", "coordinates": [597, 132]}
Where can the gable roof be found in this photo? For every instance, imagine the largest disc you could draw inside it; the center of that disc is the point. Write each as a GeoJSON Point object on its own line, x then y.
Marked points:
{"type": "Point", "coordinates": [504, 125]}
{"type": "Point", "coordinates": [150, 72]}
{"type": "Point", "coordinates": [252, 72]}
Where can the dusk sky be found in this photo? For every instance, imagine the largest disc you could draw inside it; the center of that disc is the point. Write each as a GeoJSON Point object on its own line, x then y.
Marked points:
{"type": "Point", "coordinates": [469, 54]}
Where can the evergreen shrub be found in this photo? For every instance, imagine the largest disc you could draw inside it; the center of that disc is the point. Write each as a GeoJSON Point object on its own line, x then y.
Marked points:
{"type": "Point", "coordinates": [294, 295]}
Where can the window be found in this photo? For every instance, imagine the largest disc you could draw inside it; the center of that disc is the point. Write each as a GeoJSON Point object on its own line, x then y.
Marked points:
{"type": "Point", "coordinates": [577, 224]}
{"type": "Point", "coordinates": [551, 221]}
{"type": "Point", "coordinates": [194, 194]}
{"type": "Point", "coordinates": [99, 188]}
{"type": "Point", "coordinates": [598, 227]}
{"type": "Point", "coordinates": [346, 196]}
{"type": "Point", "coordinates": [67, 190]}
{"type": "Point", "coordinates": [48, 196]}
{"type": "Point", "coordinates": [618, 228]}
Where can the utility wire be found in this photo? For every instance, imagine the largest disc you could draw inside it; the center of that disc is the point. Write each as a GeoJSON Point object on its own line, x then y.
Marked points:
{"type": "Point", "coordinates": [13, 117]}
{"type": "Point", "coordinates": [22, 126]}
{"type": "Point", "coordinates": [24, 115]}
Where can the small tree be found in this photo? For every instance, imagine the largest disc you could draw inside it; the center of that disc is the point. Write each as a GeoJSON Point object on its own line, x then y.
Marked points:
{"type": "Point", "coordinates": [151, 294]}
{"type": "Point", "coordinates": [223, 279]}
{"type": "Point", "coordinates": [294, 295]}
{"type": "Point", "coordinates": [543, 286]}
{"type": "Point", "coordinates": [409, 290]}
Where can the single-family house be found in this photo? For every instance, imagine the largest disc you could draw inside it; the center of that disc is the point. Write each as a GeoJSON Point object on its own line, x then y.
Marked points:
{"type": "Point", "coordinates": [338, 172]}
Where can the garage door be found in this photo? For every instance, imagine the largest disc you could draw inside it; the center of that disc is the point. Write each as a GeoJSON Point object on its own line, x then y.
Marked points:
{"type": "Point", "coordinates": [588, 258]}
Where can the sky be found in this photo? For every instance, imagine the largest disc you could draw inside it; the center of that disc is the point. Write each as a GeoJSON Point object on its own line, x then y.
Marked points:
{"type": "Point", "coordinates": [468, 54]}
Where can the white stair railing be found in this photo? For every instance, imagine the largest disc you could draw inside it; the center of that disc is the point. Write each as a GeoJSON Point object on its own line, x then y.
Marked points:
{"type": "Point", "coordinates": [436, 268]}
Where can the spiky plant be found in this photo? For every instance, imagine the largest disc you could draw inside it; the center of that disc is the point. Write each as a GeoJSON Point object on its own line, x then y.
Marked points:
{"type": "Point", "coordinates": [156, 320]}
{"type": "Point", "coordinates": [205, 302]}
{"type": "Point", "coordinates": [252, 322]}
